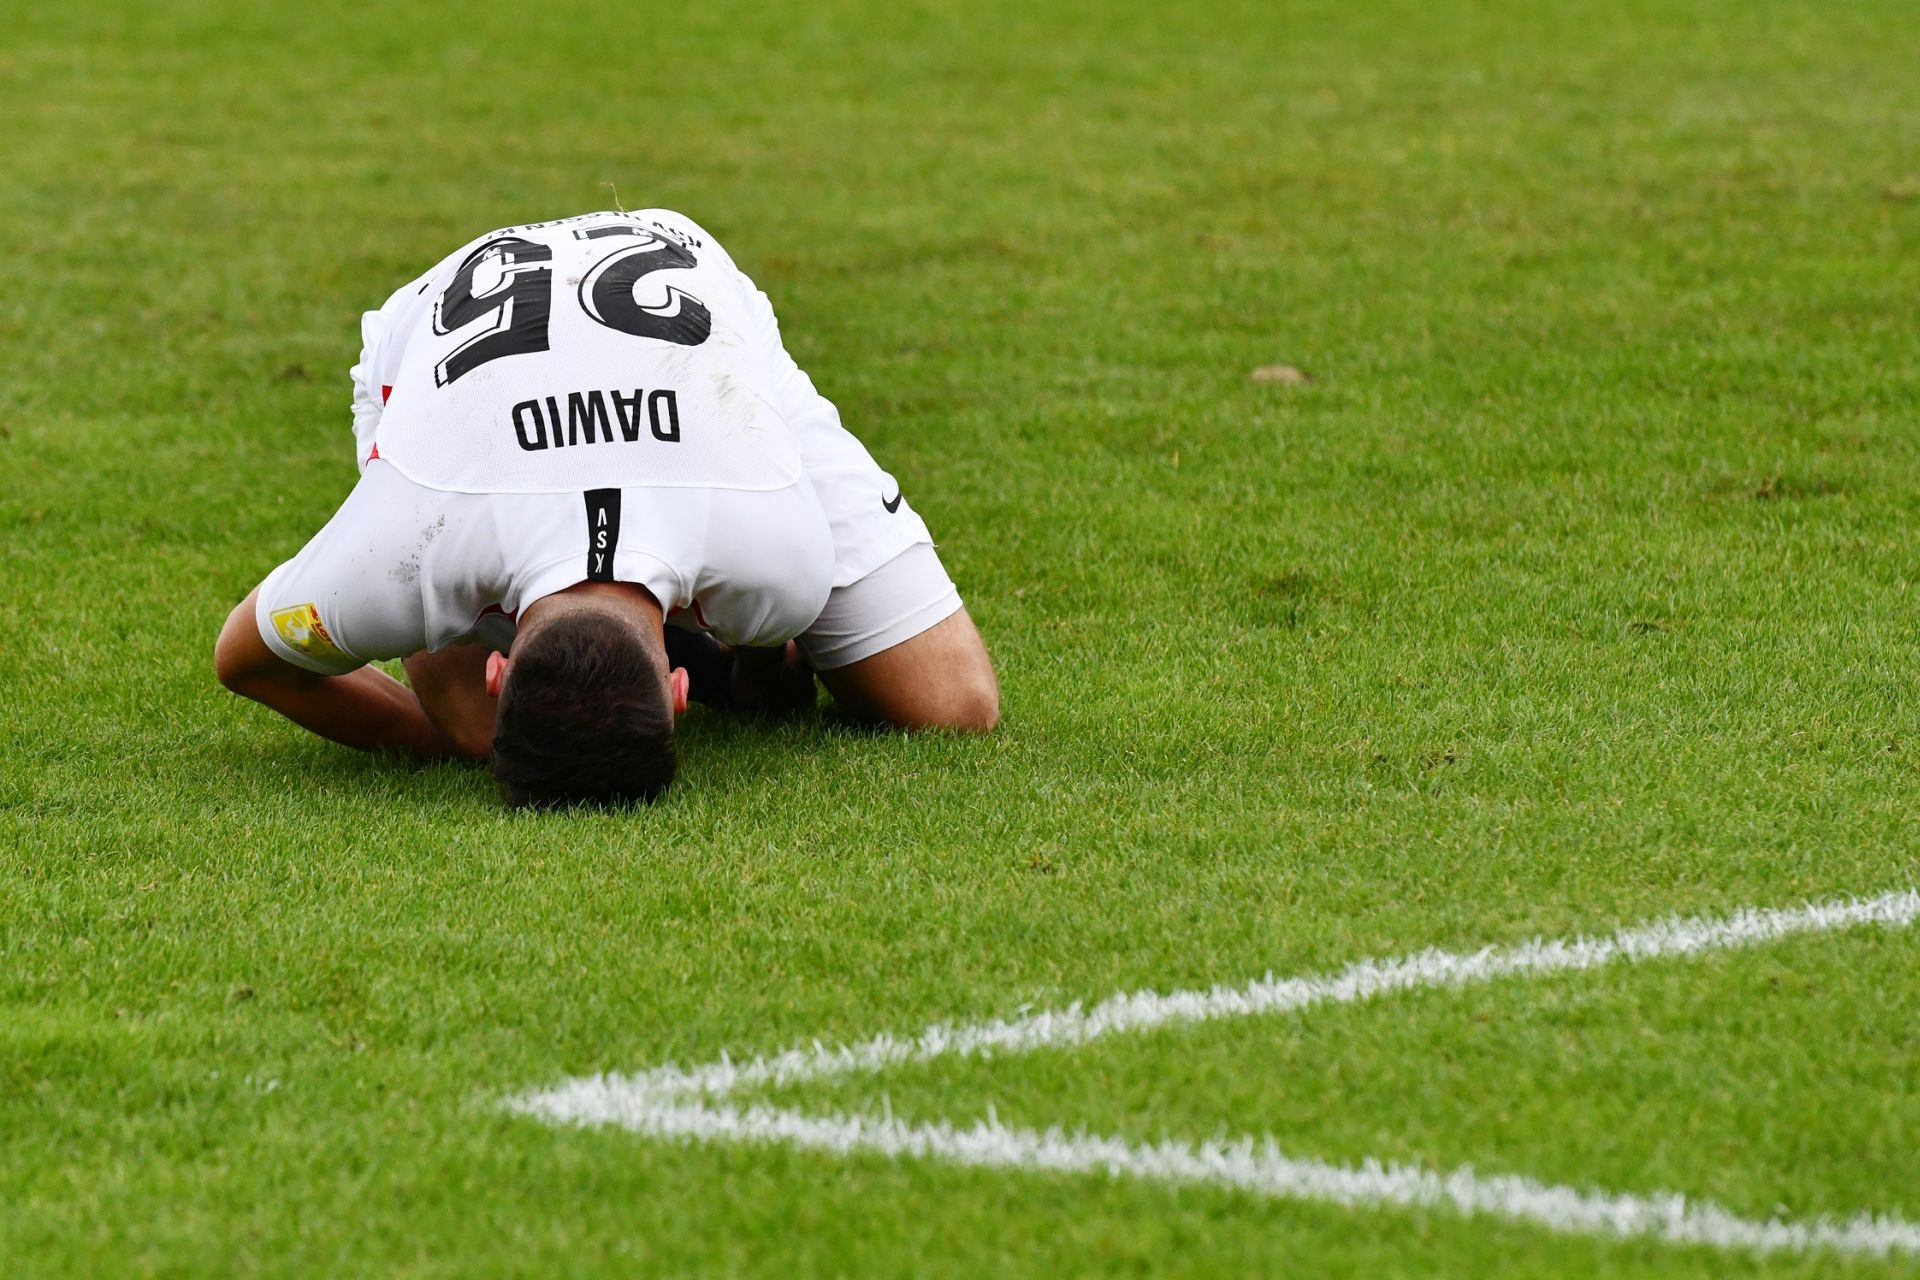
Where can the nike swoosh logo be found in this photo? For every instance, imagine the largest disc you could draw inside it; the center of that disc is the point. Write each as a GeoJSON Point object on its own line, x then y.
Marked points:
{"type": "Point", "coordinates": [894, 505]}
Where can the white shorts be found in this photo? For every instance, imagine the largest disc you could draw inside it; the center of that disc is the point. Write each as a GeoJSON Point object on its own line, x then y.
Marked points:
{"type": "Point", "coordinates": [905, 596]}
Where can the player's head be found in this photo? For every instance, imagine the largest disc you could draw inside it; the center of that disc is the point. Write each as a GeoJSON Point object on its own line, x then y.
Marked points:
{"type": "Point", "coordinates": [586, 709]}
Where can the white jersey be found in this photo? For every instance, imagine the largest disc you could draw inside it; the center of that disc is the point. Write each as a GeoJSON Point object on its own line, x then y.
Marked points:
{"type": "Point", "coordinates": [501, 462]}
{"type": "Point", "coordinates": [604, 350]}
{"type": "Point", "coordinates": [871, 522]}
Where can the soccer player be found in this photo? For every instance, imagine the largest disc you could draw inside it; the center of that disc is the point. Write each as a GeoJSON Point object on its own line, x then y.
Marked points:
{"type": "Point", "coordinates": [576, 437]}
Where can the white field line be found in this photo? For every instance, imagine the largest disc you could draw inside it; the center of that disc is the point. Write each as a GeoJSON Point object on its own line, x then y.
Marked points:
{"type": "Point", "coordinates": [672, 1102]}
{"type": "Point", "coordinates": [1255, 1167]}
{"type": "Point", "coordinates": [1365, 980]}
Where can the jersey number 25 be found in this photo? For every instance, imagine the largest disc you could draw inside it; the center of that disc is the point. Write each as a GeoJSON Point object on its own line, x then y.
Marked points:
{"type": "Point", "coordinates": [517, 309]}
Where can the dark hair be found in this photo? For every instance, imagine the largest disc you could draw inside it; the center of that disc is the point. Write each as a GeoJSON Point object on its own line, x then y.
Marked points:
{"type": "Point", "coordinates": [584, 716]}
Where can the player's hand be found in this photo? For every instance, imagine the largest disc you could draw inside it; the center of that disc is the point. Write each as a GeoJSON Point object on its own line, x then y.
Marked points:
{"type": "Point", "coordinates": [774, 682]}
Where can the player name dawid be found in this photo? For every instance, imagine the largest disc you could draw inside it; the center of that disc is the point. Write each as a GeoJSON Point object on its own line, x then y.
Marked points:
{"type": "Point", "coordinates": [594, 417]}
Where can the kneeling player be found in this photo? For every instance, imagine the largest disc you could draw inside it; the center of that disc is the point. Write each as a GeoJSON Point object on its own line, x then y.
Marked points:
{"type": "Point", "coordinates": [573, 435]}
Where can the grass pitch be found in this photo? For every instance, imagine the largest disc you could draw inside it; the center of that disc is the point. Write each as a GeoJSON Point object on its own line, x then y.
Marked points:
{"type": "Point", "coordinates": [1573, 589]}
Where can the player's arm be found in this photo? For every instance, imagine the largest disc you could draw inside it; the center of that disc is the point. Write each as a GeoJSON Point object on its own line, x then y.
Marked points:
{"type": "Point", "coordinates": [769, 681]}
{"type": "Point", "coordinates": [365, 708]}
{"type": "Point", "coordinates": [774, 682]}
{"type": "Point", "coordinates": [452, 688]}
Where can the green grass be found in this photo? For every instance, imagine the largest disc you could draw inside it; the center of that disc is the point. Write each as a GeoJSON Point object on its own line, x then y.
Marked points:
{"type": "Point", "coordinates": [1573, 590]}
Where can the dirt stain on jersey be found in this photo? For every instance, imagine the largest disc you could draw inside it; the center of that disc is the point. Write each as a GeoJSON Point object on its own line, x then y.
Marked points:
{"type": "Point", "coordinates": [407, 572]}
{"type": "Point", "coordinates": [735, 403]}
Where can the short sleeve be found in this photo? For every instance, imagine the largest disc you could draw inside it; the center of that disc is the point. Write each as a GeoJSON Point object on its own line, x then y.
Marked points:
{"type": "Point", "coordinates": [367, 398]}
{"type": "Point", "coordinates": [298, 632]}
{"type": "Point", "coordinates": [372, 374]}
{"type": "Point", "coordinates": [769, 565]}
{"type": "Point", "coordinates": [349, 596]}
{"type": "Point", "coordinates": [794, 392]}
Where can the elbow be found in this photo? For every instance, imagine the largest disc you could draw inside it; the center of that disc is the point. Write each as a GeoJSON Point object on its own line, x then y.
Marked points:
{"type": "Point", "coordinates": [239, 655]}
{"type": "Point", "coordinates": [231, 673]}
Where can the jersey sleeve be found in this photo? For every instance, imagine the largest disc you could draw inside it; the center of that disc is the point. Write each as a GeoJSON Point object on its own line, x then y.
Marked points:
{"type": "Point", "coordinates": [351, 594]}
{"type": "Point", "coordinates": [768, 565]}
{"type": "Point", "coordinates": [794, 391]}
{"type": "Point", "coordinates": [871, 520]}
{"type": "Point", "coordinates": [367, 400]}
{"type": "Point", "coordinates": [372, 374]}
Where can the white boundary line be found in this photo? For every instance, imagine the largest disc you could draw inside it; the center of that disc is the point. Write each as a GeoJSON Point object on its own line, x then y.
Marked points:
{"type": "Point", "coordinates": [691, 1104]}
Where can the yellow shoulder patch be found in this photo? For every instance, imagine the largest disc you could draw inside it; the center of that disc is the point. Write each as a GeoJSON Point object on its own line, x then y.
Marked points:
{"type": "Point", "coordinates": [301, 628]}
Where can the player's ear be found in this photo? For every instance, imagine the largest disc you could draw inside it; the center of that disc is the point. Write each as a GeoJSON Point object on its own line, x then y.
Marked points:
{"type": "Point", "coordinates": [681, 682]}
{"type": "Point", "coordinates": [496, 672]}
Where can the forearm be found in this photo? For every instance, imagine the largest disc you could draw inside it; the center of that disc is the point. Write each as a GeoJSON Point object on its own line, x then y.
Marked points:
{"type": "Point", "coordinates": [366, 709]}
{"type": "Point", "coordinates": [774, 681]}
{"type": "Point", "coordinates": [708, 664]}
